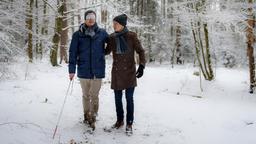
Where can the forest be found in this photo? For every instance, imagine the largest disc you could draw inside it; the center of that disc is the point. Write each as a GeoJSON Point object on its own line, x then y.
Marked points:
{"type": "Point", "coordinates": [207, 33]}
{"type": "Point", "coordinates": [198, 85]}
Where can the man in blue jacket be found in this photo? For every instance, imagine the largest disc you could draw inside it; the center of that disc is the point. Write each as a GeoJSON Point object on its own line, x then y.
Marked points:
{"type": "Point", "coordinates": [87, 53]}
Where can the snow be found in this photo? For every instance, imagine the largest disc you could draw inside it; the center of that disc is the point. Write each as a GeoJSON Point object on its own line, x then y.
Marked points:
{"type": "Point", "coordinates": [225, 113]}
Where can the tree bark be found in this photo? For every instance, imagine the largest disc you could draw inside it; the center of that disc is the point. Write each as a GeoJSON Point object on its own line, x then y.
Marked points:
{"type": "Point", "coordinates": [38, 52]}
{"type": "Point", "coordinates": [56, 37]}
{"type": "Point", "coordinates": [208, 55]}
{"type": "Point", "coordinates": [29, 25]}
{"type": "Point", "coordinates": [79, 13]}
{"type": "Point", "coordinates": [202, 51]}
{"type": "Point", "coordinates": [177, 52]}
{"type": "Point", "coordinates": [197, 51]}
{"type": "Point", "coordinates": [44, 29]}
{"type": "Point", "coordinates": [250, 42]}
{"type": "Point", "coordinates": [64, 34]}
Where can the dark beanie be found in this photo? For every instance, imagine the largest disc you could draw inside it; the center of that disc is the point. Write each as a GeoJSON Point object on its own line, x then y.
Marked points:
{"type": "Point", "coordinates": [88, 12]}
{"type": "Point", "coordinates": [121, 19]}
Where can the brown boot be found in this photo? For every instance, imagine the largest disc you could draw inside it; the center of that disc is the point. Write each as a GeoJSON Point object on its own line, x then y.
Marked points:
{"type": "Point", "coordinates": [86, 118]}
{"type": "Point", "coordinates": [92, 121]}
{"type": "Point", "coordinates": [92, 125]}
{"type": "Point", "coordinates": [118, 124]}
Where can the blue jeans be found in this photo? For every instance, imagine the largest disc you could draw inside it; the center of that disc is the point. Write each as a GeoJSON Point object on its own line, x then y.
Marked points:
{"type": "Point", "coordinates": [119, 105]}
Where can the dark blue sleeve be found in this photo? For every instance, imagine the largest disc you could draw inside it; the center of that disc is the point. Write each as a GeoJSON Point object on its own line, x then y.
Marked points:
{"type": "Point", "coordinates": [106, 37]}
{"type": "Point", "coordinates": [73, 53]}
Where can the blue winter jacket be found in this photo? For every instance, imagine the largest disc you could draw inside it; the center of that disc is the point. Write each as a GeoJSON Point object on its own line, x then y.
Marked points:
{"type": "Point", "coordinates": [88, 54]}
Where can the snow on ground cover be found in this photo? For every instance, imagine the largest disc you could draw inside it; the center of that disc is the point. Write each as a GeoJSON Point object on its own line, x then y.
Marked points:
{"type": "Point", "coordinates": [224, 114]}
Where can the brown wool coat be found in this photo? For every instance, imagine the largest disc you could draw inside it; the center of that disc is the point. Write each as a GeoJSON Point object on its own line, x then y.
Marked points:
{"type": "Point", "coordinates": [123, 67]}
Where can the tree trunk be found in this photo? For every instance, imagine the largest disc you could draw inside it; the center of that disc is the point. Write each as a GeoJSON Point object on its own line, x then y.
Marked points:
{"type": "Point", "coordinates": [44, 30]}
{"type": "Point", "coordinates": [72, 22]}
{"type": "Point", "coordinates": [202, 51]}
{"type": "Point", "coordinates": [208, 55]}
{"type": "Point", "coordinates": [11, 6]}
{"type": "Point", "coordinates": [37, 48]}
{"type": "Point", "coordinates": [177, 52]}
{"type": "Point", "coordinates": [56, 37]}
{"type": "Point", "coordinates": [104, 15]}
{"type": "Point", "coordinates": [250, 42]}
{"type": "Point", "coordinates": [197, 50]}
{"type": "Point", "coordinates": [64, 34]}
{"type": "Point", "coordinates": [163, 8]}
{"type": "Point", "coordinates": [29, 25]}
{"type": "Point", "coordinates": [79, 13]}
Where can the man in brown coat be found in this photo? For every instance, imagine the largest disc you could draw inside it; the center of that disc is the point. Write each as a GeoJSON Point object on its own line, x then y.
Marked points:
{"type": "Point", "coordinates": [123, 44]}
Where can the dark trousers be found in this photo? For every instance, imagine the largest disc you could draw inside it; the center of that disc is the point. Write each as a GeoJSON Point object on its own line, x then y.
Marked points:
{"type": "Point", "coordinates": [119, 105]}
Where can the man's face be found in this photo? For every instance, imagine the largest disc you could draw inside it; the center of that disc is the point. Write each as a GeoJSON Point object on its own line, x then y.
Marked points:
{"type": "Point", "coordinates": [90, 19]}
{"type": "Point", "coordinates": [117, 27]}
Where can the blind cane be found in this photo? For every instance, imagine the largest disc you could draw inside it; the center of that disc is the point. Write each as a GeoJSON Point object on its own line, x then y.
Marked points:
{"type": "Point", "coordinates": [62, 108]}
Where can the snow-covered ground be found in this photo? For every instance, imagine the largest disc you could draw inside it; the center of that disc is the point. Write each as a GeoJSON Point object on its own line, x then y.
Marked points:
{"type": "Point", "coordinates": [224, 115]}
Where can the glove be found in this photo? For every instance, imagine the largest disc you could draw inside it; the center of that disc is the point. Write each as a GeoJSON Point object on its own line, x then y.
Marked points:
{"type": "Point", "coordinates": [140, 70]}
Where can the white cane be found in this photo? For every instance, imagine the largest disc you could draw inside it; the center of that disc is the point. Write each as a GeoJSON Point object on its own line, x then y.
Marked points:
{"type": "Point", "coordinates": [71, 82]}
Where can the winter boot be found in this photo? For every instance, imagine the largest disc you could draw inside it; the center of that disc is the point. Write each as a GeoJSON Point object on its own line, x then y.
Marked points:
{"type": "Point", "coordinates": [86, 118]}
{"type": "Point", "coordinates": [128, 129]}
{"type": "Point", "coordinates": [92, 121]}
{"type": "Point", "coordinates": [118, 124]}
